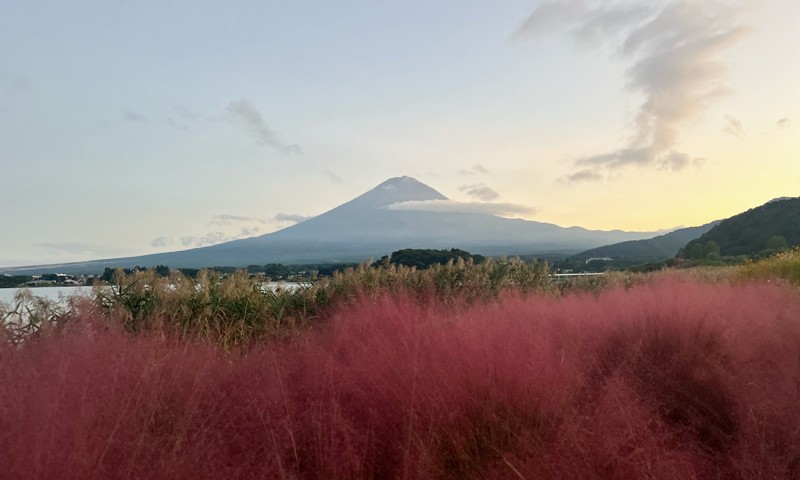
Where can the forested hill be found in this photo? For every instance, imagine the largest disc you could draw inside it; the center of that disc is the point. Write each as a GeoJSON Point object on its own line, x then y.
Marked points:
{"type": "Point", "coordinates": [653, 249]}
{"type": "Point", "coordinates": [772, 226]}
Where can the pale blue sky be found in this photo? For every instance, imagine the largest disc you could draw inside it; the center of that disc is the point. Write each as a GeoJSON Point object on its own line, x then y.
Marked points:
{"type": "Point", "coordinates": [137, 127]}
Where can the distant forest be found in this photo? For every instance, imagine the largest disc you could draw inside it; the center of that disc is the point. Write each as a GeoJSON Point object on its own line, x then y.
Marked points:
{"type": "Point", "coordinates": [424, 258]}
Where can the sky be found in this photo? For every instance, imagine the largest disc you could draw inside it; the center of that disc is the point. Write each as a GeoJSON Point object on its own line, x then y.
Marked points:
{"type": "Point", "coordinates": [129, 128]}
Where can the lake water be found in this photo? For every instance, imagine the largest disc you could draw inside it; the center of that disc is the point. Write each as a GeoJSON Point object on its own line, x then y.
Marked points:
{"type": "Point", "coordinates": [58, 293]}
{"type": "Point", "coordinates": [50, 293]}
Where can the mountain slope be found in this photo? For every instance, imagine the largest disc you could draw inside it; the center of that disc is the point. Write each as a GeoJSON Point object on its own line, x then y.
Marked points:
{"type": "Point", "coordinates": [653, 249]}
{"type": "Point", "coordinates": [365, 227]}
{"type": "Point", "coordinates": [749, 233]}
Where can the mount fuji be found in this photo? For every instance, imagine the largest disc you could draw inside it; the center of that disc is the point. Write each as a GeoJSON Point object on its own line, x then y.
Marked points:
{"type": "Point", "coordinates": [399, 213]}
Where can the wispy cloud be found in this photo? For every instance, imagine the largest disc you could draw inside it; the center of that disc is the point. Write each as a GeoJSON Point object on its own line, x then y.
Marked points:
{"type": "Point", "coordinates": [476, 169]}
{"type": "Point", "coordinates": [672, 51]}
{"type": "Point", "coordinates": [290, 218]}
{"type": "Point", "coordinates": [733, 126]}
{"type": "Point", "coordinates": [585, 175]}
{"type": "Point", "coordinates": [783, 122]}
{"type": "Point", "coordinates": [214, 238]}
{"type": "Point", "coordinates": [479, 191]}
{"type": "Point", "coordinates": [452, 206]}
{"type": "Point", "coordinates": [238, 227]}
{"type": "Point", "coordinates": [245, 232]}
{"type": "Point", "coordinates": [205, 240]}
{"type": "Point", "coordinates": [228, 219]}
{"type": "Point", "coordinates": [132, 116]}
{"type": "Point", "coordinates": [333, 177]}
{"type": "Point", "coordinates": [244, 113]}
{"type": "Point", "coordinates": [161, 241]}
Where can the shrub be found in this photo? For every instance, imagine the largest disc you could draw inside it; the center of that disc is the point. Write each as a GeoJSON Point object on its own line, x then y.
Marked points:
{"type": "Point", "coordinates": [784, 265]}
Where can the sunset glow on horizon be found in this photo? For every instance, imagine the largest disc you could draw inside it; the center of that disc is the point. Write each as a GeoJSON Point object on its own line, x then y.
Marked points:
{"type": "Point", "coordinates": [129, 129]}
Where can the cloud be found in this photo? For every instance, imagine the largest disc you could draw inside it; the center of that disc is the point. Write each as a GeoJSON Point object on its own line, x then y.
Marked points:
{"type": "Point", "coordinates": [783, 122]}
{"type": "Point", "coordinates": [479, 191]}
{"type": "Point", "coordinates": [549, 16]}
{"type": "Point", "coordinates": [290, 218]}
{"type": "Point", "coordinates": [672, 54]}
{"type": "Point", "coordinates": [245, 232]}
{"type": "Point", "coordinates": [452, 206]}
{"type": "Point", "coordinates": [132, 116]}
{"type": "Point", "coordinates": [244, 113]}
{"type": "Point", "coordinates": [333, 177]}
{"type": "Point", "coordinates": [733, 126]}
{"type": "Point", "coordinates": [205, 240]}
{"type": "Point", "coordinates": [222, 220]}
{"type": "Point", "coordinates": [476, 169]}
{"type": "Point", "coordinates": [214, 238]}
{"type": "Point", "coordinates": [585, 175]}
{"type": "Point", "coordinates": [227, 219]}
{"type": "Point", "coordinates": [161, 241]}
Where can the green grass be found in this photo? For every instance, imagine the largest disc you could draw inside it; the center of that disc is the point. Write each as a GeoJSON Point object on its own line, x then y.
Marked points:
{"type": "Point", "coordinates": [238, 310]}
{"type": "Point", "coordinates": [784, 265]}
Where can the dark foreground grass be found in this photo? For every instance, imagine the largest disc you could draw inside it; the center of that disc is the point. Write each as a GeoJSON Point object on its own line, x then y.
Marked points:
{"type": "Point", "coordinates": [671, 379]}
{"type": "Point", "coordinates": [238, 311]}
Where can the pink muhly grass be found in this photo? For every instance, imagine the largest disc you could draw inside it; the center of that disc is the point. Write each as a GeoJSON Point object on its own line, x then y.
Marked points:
{"type": "Point", "coordinates": [671, 379]}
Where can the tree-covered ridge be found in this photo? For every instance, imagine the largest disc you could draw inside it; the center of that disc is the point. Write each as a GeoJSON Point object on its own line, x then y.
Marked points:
{"type": "Point", "coordinates": [768, 228]}
{"type": "Point", "coordinates": [424, 258]}
{"type": "Point", "coordinates": [654, 249]}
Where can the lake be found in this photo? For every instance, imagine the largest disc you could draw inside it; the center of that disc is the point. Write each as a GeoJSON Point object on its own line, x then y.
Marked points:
{"type": "Point", "coordinates": [50, 293]}
{"type": "Point", "coordinates": [57, 293]}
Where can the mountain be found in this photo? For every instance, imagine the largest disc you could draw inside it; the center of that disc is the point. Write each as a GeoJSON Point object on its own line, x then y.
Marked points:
{"type": "Point", "coordinates": [653, 249]}
{"type": "Point", "coordinates": [752, 232]}
{"type": "Point", "coordinates": [371, 225]}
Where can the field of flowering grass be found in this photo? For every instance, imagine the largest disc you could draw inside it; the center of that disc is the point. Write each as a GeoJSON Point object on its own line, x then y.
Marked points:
{"type": "Point", "coordinates": [671, 378]}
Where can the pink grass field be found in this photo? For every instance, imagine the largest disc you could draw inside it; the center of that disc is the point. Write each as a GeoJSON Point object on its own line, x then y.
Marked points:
{"type": "Point", "coordinates": [672, 379]}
